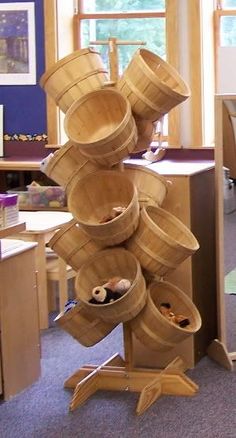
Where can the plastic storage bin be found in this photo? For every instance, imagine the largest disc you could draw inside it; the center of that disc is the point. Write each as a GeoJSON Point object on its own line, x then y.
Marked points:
{"type": "Point", "coordinates": [23, 196]}
{"type": "Point", "coordinates": [40, 196]}
{"type": "Point", "coordinates": [47, 196]}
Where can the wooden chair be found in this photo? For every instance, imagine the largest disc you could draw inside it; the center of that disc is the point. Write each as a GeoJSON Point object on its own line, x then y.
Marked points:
{"type": "Point", "coordinates": [58, 271]}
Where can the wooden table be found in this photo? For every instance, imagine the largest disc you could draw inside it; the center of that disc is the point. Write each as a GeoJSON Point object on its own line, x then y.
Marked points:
{"type": "Point", "coordinates": [40, 227]}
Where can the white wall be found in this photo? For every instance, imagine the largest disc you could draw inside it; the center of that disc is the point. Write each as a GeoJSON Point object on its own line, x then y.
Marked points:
{"type": "Point", "coordinates": [226, 70]}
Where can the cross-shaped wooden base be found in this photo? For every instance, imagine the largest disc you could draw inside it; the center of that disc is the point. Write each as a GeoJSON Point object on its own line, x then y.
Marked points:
{"type": "Point", "coordinates": [115, 376]}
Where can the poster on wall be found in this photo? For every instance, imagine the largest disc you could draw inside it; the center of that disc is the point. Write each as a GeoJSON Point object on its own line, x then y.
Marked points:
{"type": "Point", "coordinates": [17, 44]}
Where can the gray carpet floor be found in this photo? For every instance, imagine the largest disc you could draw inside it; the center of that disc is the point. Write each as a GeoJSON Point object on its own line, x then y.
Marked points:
{"type": "Point", "coordinates": [42, 410]}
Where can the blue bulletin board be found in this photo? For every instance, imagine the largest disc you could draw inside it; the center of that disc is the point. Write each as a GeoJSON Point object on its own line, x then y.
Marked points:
{"type": "Point", "coordinates": [25, 104]}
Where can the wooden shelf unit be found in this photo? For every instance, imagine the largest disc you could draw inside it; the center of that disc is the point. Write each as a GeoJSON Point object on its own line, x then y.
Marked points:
{"type": "Point", "coordinates": [191, 198]}
{"type": "Point", "coordinates": [19, 326]}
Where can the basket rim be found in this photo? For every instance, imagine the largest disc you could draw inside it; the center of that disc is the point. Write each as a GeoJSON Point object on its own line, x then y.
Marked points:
{"type": "Point", "coordinates": [77, 81]}
{"type": "Point", "coordinates": [145, 169]}
{"type": "Point", "coordinates": [92, 174]}
{"type": "Point", "coordinates": [185, 92]}
{"type": "Point", "coordinates": [189, 302]}
{"type": "Point", "coordinates": [58, 154]}
{"type": "Point", "coordinates": [59, 233]}
{"type": "Point", "coordinates": [77, 103]}
{"type": "Point", "coordinates": [112, 153]}
{"type": "Point", "coordinates": [53, 69]}
{"type": "Point", "coordinates": [174, 220]}
{"type": "Point", "coordinates": [101, 254]}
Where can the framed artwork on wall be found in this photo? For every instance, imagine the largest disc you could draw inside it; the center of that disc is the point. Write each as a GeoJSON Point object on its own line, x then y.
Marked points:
{"type": "Point", "coordinates": [17, 44]}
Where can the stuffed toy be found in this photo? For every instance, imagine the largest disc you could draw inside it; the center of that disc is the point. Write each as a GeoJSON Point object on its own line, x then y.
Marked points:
{"type": "Point", "coordinates": [116, 211]}
{"type": "Point", "coordinates": [182, 321]}
{"type": "Point", "coordinates": [110, 291]}
{"type": "Point", "coordinates": [103, 295]}
{"type": "Point", "coordinates": [45, 161]}
{"type": "Point", "coordinates": [118, 284]}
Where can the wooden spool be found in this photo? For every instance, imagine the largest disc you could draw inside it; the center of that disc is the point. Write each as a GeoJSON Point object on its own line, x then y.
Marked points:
{"type": "Point", "coordinates": [73, 245]}
{"type": "Point", "coordinates": [153, 329]}
{"type": "Point", "coordinates": [74, 76]}
{"type": "Point", "coordinates": [65, 163]}
{"type": "Point", "coordinates": [152, 86]}
{"type": "Point", "coordinates": [102, 125]}
{"type": "Point", "coordinates": [98, 270]}
{"type": "Point", "coordinates": [152, 187]}
{"type": "Point", "coordinates": [92, 198]}
{"type": "Point", "coordinates": [161, 241]}
{"type": "Point", "coordinates": [80, 324]}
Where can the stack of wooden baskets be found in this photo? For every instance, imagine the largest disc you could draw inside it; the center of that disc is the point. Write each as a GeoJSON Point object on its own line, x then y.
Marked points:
{"type": "Point", "coordinates": [104, 125]}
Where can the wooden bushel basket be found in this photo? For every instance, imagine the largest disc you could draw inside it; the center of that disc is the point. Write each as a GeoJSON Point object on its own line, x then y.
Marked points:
{"type": "Point", "coordinates": [93, 197]}
{"type": "Point", "coordinates": [102, 125]}
{"type": "Point", "coordinates": [73, 245]}
{"type": "Point", "coordinates": [153, 329]}
{"type": "Point", "coordinates": [86, 329]}
{"type": "Point", "coordinates": [146, 131]}
{"type": "Point", "coordinates": [65, 162]}
{"type": "Point", "coordinates": [98, 270]}
{"type": "Point", "coordinates": [152, 86]}
{"type": "Point", "coordinates": [161, 241]}
{"type": "Point", "coordinates": [73, 76]}
{"type": "Point", "coordinates": [152, 187]}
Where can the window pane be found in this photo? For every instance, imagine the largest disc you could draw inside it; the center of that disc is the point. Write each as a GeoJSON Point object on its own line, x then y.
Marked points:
{"type": "Point", "coordinates": [229, 4]}
{"type": "Point", "coordinates": [125, 29]}
{"type": "Point", "coordinates": [228, 31]}
{"type": "Point", "coordinates": [123, 5]}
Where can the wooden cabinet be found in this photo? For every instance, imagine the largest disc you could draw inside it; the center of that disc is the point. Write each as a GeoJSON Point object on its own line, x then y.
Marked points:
{"type": "Point", "coordinates": [19, 326]}
{"type": "Point", "coordinates": [191, 199]}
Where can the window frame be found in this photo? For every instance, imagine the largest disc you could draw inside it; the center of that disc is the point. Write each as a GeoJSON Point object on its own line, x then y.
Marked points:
{"type": "Point", "coordinates": [218, 14]}
{"type": "Point", "coordinates": [51, 56]}
{"type": "Point", "coordinates": [80, 15]}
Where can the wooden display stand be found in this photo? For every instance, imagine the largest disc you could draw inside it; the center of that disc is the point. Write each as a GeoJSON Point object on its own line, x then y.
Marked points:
{"type": "Point", "coordinates": [118, 374]}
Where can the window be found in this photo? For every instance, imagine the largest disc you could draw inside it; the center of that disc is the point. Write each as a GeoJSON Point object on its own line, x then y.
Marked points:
{"type": "Point", "coordinates": [156, 19]}
{"type": "Point", "coordinates": [226, 23]}
{"type": "Point", "coordinates": [101, 21]}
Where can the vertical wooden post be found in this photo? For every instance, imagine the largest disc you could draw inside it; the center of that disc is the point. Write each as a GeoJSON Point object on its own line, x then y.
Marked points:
{"type": "Point", "coordinates": [113, 59]}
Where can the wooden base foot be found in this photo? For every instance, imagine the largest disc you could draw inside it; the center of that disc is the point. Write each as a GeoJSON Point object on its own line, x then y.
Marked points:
{"type": "Point", "coordinates": [113, 375]}
{"type": "Point", "coordinates": [218, 352]}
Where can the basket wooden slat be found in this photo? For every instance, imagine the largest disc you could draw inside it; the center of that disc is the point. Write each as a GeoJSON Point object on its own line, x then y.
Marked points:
{"type": "Point", "coordinates": [161, 241]}
{"type": "Point", "coordinates": [146, 130]}
{"type": "Point", "coordinates": [74, 76]}
{"type": "Point", "coordinates": [152, 86]}
{"type": "Point", "coordinates": [65, 163]}
{"type": "Point", "coordinates": [102, 125]}
{"type": "Point", "coordinates": [153, 329]}
{"type": "Point", "coordinates": [93, 197]}
{"type": "Point", "coordinates": [73, 245]}
{"type": "Point", "coordinates": [98, 270]}
{"type": "Point", "coordinates": [80, 324]}
{"type": "Point", "coordinates": [152, 187]}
